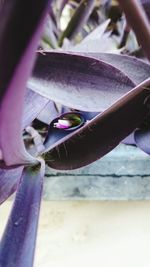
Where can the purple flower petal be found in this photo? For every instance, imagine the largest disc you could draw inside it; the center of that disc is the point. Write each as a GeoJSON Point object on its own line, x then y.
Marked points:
{"type": "Point", "coordinates": [142, 139]}
{"type": "Point", "coordinates": [103, 133]}
{"type": "Point", "coordinates": [21, 27]}
{"type": "Point", "coordinates": [8, 182]}
{"type": "Point", "coordinates": [18, 242]}
{"type": "Point", "coordinates": [79, 82]}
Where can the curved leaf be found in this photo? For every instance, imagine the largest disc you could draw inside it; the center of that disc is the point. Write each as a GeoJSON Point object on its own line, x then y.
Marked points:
{"type": "Point", "coordinates": [33, 106]}
{"type": "Point", "coordinates": [48, 113]}
{"type": "Point", "coordinates": [137, 70]}
{"type": "Point", "coordinates": [78, 82]}
{"type": "Point", "coordinates": [19, 35]}
{"type": "Point", "coordinates": [18, 242]}
{"type": "Point", "coordinates": [103, 133]}
{"type": "Point", "coordinates": [8, 182]}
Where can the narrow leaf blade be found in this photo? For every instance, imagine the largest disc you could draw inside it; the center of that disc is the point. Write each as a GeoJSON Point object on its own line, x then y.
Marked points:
{"type": "Point", "coordinates": [18, 242]}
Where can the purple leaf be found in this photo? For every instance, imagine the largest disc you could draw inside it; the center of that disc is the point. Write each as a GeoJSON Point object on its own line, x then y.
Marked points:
{"type": "Point", "coordinates": [48, 113]}
{"type": "Point", "coordinates": [93, 36]}
{"type": "Point", "coordinates": [8, 182]}
{"type": "Point", "coordinates": [84, 83]}
{"type": "Point", "coordinates": [96, 33]}
{"type": "Point", "coordinates": [49, 37]}
{"type": "Point", "coordinates": [18, 242]}
{"type": "Point", "coordinates": [134, 68]}
{"type": "Point", "coordinates": [105, 44]}
{"type": "Point", "coordinates": [103, 133]}
{"type": "Point", "coordinates": [34, 104]}
{"type": "Point", "coordinates": [142, 139]}
{"type": "Point", "coordinates": [19, 37]}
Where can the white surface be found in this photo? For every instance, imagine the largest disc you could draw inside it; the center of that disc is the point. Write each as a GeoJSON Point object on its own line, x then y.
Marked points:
{"type": "Point", "coordinates": [107, 234]}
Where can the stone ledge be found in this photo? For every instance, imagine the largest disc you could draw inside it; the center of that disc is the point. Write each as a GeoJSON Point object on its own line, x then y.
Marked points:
{"type": "Point", "coordinates": [123, 160]}
{"type": "Point", "coordinates": [97, 188]}
{"type": "Point", "coordinates": [123, 174]}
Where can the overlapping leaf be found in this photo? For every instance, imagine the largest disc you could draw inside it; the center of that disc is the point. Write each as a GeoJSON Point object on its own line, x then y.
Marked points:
{"type": "Point", "coordinates": [33, 105]}
{"type": "Point", "coordinates": [84, 83]}
{"type": "Point", "coordinates": [103, 133]}
{"type": "Point", "coordinates": [135, 69]}
{"type": "Point", "coordinates": [18, 242]}
{"type": "Point", "coordinates": [8, 182]}
{"type": "Point", "coordinates": [19, 37]}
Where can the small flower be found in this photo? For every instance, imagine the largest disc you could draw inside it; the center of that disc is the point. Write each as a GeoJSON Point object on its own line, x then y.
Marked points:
{"type": "Point", "coordinates": [69, 121]}
{"type": "Point", "coordinates": [63, 124]}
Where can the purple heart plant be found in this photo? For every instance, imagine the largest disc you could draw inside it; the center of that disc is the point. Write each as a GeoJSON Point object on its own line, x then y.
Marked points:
{"type": "Point", "coordinates": [65, 109]}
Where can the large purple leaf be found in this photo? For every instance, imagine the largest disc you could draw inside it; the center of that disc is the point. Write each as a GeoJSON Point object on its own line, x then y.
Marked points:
{"type": "Point", "coordinates": [134, 68]}
{"type": "Point", "coordinates": [18, 242]}
{"type": "Point", "coordinates": [79, 82]}
{"type": "Point", "coordinates": [21, 27]}
{"type": "Point", "coordinates": [103, 133]}
{"type": "Point", "coordinates": [142, 139]}
{"type": "Point", "coordinates": [8, 182]}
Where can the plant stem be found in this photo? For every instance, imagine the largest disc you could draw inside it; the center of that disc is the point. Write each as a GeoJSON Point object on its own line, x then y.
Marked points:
{"type": "Point", "coordinates": [138, 20]}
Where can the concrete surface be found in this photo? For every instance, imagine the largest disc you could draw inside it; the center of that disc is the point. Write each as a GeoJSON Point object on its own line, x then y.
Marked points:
{"type": "Point", "coordinates": [96, 233]}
